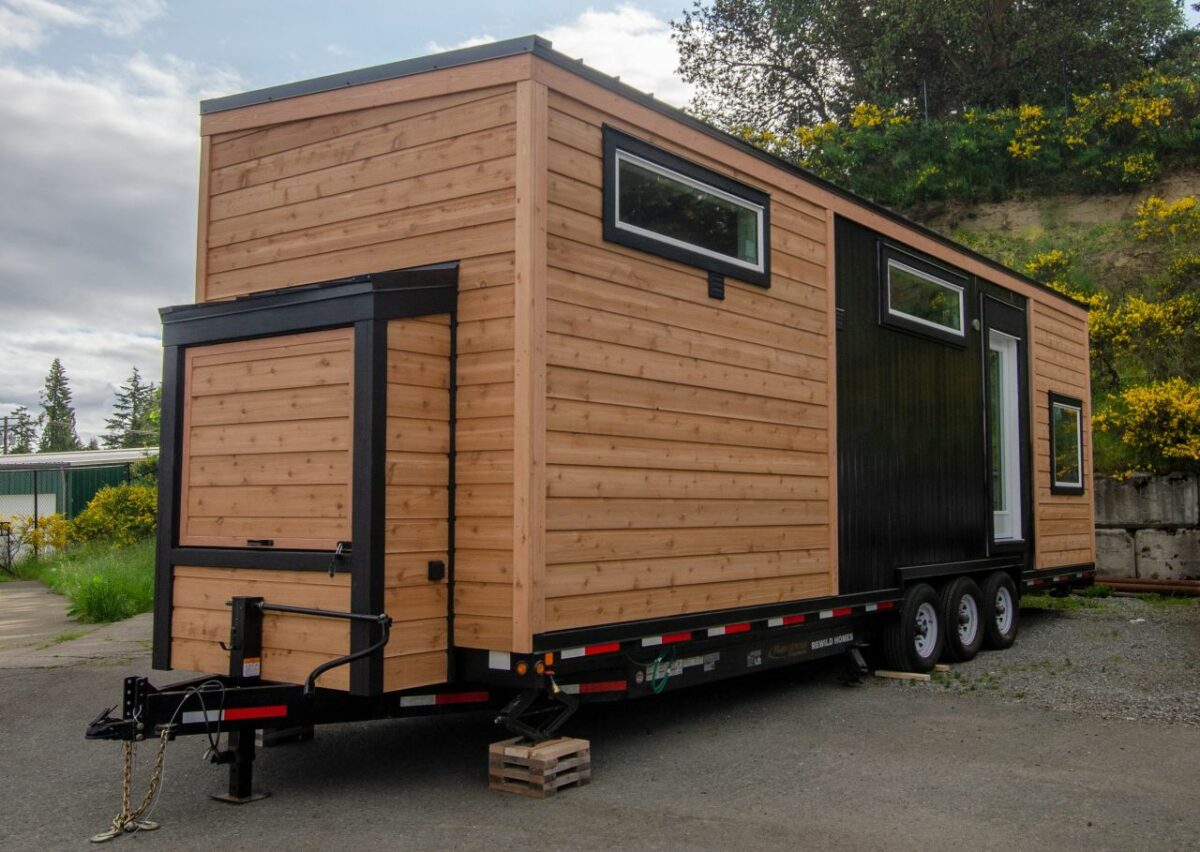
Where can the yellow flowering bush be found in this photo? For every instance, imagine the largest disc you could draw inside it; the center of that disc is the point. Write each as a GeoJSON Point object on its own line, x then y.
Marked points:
{"type": "Point", "coordinates": [1160, 219]}
{"type": "Point", "coordinates": [50, 532]}
{"type": "Point", "coordinates": [1158, 425]}
{"type": "Point", "coordinates": [1030, 132]}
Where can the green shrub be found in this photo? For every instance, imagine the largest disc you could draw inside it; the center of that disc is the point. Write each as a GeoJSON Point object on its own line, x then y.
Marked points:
{"type": "Point", "coordinates": [121, 514]}
{"type": "Point", "coordinates": [144, 471]}
{"type": "Point", "coordinates": [102, 582]}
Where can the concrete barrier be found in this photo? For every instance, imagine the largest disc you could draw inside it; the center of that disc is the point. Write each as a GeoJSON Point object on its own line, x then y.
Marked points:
{"type": "Point", "coordinates": [1148, 527]}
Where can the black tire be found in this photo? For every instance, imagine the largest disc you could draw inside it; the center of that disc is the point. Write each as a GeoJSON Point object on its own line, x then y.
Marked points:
{"type": "Point", "coordinates": [912, 642]}
{"type": "Point", "coordinates": [962, 617]}
{"type": "Point", "coordinates": [1001, 611]}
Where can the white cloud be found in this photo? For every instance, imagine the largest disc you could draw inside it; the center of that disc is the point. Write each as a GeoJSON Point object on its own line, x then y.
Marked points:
{"type": "Point", "coordinates": [629, 43]}
{"type": "Point", "coordinates": [99, 175]}
{"type": "Point", "coordinates": [26, 24]}
{"type": "Point", "coordinates": [626, 42]}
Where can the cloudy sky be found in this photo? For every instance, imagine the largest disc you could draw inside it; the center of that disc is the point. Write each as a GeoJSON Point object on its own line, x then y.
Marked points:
{"type": "Point", "coordinates": [99, 151]}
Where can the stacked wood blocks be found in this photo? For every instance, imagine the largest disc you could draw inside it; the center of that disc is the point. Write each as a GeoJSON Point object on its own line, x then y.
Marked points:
{"type": "Point", "coordinates": [539, 770]}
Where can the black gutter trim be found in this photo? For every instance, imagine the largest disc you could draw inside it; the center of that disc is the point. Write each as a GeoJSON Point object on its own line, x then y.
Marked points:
{"type": "Point", "coordinates": [399, 293]}
{"type": "Point", "coordinates": [627, 630]}
{"type": "Point", "coordinates": [543, 49]}
{"type": "Point", "coordinates": [376, 73]}
{"type": "Point", "coordinates": [1043, 573]}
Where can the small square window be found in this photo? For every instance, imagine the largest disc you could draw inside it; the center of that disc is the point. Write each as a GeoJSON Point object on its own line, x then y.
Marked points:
{"type": "Point", "coordinates": [1066, 445]}
{"type": "Point", "coordinates": [662, 204]}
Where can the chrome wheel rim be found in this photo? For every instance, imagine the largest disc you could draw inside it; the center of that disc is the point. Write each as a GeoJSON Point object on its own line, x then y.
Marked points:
{"type": "Point", "coordinates": [927, 627]}
{"type": "Point", "coordinates": [1004, 610]}
{"type": "Point", "coordinates": [968, 620]}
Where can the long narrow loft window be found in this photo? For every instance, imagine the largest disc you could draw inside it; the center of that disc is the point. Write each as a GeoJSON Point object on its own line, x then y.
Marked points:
{"type": "Point", "coordinates": [1066, 445]}
{"type": "Point", "coordinates": [919, 296]}
{"type": "Point", "coordinates": [665, 205]}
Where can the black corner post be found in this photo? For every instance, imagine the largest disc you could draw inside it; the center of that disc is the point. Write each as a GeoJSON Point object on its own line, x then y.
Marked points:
{"type": "Point", "coordinates": [367, 511]}
{"type": "Point", "coordinates": [170, 467]}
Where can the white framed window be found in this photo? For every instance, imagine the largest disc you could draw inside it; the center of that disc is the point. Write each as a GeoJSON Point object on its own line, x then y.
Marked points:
{"type": "Point", "coordinates": [659, 203]}
{"type": "Point", "coordinates": [1066, 444]}
{"type": "Point", "coordinates": [917, 296]}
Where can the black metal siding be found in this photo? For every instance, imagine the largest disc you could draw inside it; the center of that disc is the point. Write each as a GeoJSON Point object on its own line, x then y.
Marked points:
{"type": "Point", "coordinates": [911, 475]}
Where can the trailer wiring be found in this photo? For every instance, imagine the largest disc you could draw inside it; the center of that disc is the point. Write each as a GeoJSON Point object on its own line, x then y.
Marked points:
{"type": "Point", "coordinates": [656, 684]}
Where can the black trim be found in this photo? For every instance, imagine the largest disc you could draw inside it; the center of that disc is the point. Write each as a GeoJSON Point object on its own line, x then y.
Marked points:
{"type": "Point", "coordinates": [399, 293]}
{"type": "Point", "coordinates": [910, 573]}
{"type": "Point", "coordinates": [230, 557]}
{"type": "Point", "coordinates": [954, 278]}
{"type": "Point", "coordinates": [369, 500]}
{"type": "Point", "coordinates": [558, 639]}
{"type": "Point", "coordinates": [615, 140]}
{"type": "Point", "coordinates": [1072, 402]}
{"type": "Point", "coordinates": [169, 471]}
{"type": "Point", "coordinates": [543, 49]}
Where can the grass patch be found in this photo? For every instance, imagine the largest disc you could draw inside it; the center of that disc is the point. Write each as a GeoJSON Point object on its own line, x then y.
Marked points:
{"type": "Point", "coordinates": [102, 582]}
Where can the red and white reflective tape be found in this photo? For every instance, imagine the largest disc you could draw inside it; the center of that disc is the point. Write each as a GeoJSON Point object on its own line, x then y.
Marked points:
{"type": "Point", "coordinates": [590, 650]}
{"type": "Point", "coordinates": [593, 687]}
{"type": "Point", "coordinates": [878, 606]}
{"type": "Point", "coordinates": [729, 629]}
{"type": "Point", "coordinates": [786, 620]}
{"type": "Point", "coordinates": [835, 613]}
{"type": "Point", "coordinates": [441, 699]}
{"type": "Point", "coordinates": [665, 639]}
{"type": "Point", "coordinates": [235, 714]}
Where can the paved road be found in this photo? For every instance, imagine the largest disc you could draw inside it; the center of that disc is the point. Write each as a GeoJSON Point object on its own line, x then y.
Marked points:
{"type": "Point", "coordinates": [791, 760]}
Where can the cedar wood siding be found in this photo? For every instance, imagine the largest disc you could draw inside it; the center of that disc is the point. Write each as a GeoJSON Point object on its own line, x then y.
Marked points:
{"type": "Point", "coordinates": [384, 176]}
{"type": "Point", "coordinates": [688, 439]}
{"type": "Point", "coordinates": [1063, 523]}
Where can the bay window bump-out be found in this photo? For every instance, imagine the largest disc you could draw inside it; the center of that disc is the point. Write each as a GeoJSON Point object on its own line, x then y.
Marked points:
{"type": "Point", "coordinates": [1066, 444]}
{"type": "Point", "coordinates": [657, 202]}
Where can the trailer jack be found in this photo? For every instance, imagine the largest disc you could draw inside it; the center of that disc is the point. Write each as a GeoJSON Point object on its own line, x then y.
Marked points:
{"type": "Point", "coordinates": [856, 666]}
{"type": "Point", "coordinates": [515, 713]}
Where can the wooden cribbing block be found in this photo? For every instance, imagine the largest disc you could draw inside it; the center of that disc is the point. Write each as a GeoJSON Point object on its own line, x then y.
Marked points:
{"type": "Point", "coordinates": [539, 770]}
{"type": "Point", "coordinates": [901, 675]}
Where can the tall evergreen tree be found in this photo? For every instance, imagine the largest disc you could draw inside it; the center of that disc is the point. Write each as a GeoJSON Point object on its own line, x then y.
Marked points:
{"type": "Point", "coordinates": [134, 419]}
{"type": "Point", "coordinates": [58, 415]}
{"type": "Point", "coordinates": [22, 431]}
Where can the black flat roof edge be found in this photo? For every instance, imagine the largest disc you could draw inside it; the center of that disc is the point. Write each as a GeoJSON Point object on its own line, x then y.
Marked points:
{"type": "Point", "coordinates": [543, 49]}
{"type": "Point", "coordinates": [376, 73]}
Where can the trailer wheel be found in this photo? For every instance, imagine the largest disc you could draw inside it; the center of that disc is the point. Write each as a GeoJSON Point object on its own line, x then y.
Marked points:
{"type": "Point", "coordinates": [962, 613]}
{"type": "Point", "coordinates": [913, 641]}
{"type": "Point", "coordinates": [1001, 611]}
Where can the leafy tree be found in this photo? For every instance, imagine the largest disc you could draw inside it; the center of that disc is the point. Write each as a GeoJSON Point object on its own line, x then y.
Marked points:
{"type": "Point", "coordinates": [134, 419]}
{"type": "Point", "coordinates": [22, 431]}
{"type": "Point", "coordinates": [58, 415]}
{"type": "Point", "coordinates": [773, 64]}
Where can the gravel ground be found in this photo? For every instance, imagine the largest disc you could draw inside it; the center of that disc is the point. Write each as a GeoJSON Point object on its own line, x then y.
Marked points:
{"type": "Point", "coordinates": [1122, 658]}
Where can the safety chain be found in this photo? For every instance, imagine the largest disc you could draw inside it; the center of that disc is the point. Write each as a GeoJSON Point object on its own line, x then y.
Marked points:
{"type": "Point", "coordinates": [128, 821]}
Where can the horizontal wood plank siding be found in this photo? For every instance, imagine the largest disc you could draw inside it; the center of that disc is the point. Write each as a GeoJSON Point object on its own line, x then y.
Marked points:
{"type": "Point", "coordinates": [1063, 523]}
{"type": "Point", "coordinates": [417, 499]}
{"type": "Point", "coordinates": [687, 438]}
{"type": "Point", "coordinates": [390, 186]}
{"type": "Point", "coordinates": [267, 442]}
{"type": "Point", "coordinates": [293, 645]}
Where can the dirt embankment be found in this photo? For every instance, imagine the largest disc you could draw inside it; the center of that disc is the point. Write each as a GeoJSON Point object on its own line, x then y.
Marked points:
{"type": "Point", "coordinates": [1062, 211]}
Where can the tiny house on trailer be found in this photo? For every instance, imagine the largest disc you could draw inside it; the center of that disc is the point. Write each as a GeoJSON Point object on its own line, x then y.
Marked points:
{"type": "Point", "coordinates": [505, 378]}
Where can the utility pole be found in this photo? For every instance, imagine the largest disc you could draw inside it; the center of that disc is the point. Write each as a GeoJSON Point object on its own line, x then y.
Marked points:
{"type": "Point", "coordinates": [5, 434]}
